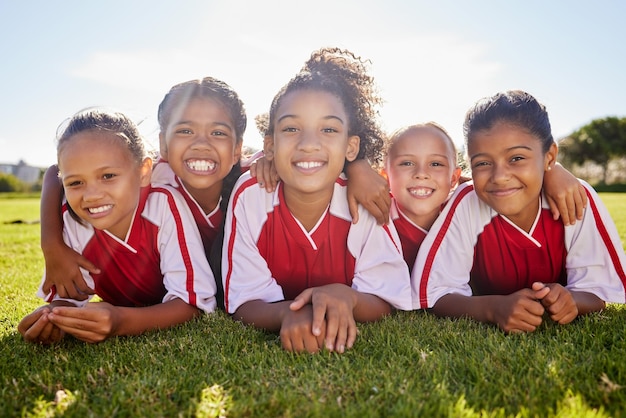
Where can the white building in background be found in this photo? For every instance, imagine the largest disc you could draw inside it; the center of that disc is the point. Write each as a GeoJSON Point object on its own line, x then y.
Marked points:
{"type": "Point", "coordinates": [21, 170]}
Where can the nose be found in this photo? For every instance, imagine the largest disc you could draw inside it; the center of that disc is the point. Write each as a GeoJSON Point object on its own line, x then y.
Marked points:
{"type": "Point", "coordinates": [420, 172]}
{"type": "Point", "coordinates": [309, 141]}
{"type": "Point", "coordinates": [92, 193]}
{"type": "Point", "coordinates": [202, 140]}
{"type": "Point", "coordinates": [500, 173]}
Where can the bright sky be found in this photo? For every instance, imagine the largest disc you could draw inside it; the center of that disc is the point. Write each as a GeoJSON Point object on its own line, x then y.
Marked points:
{"type": "Point", "coordinates": [431, 59]}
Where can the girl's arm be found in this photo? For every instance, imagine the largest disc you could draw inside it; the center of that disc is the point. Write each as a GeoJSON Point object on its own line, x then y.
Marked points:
{"type": "Point", "coordinates": [519, 311]}
{"type": "Point", "coordinates": [294, 326]}
{"type": "Point", "coordinates": [100, 320]}
{"type": "Point", "coordinates": [587, 302]}
{"type": "Point", "coordinates": [62, 263]}
{"type": "Point", "coordinates": [264, 315]}
{"type": "Point", "coordinates": [566, 195]}
{"type": "Point", "coordinates": [370, 189]}
{"type": "Point", "coordinates": [265, 172]}
{"type": "Point", "coordinates": [339, 307]}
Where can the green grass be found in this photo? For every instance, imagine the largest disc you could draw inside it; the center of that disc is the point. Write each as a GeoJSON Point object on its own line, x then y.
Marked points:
{"type": "Point", "coordinates": [616, 203]}
{"type": "Point", "coordinates": [410, 364]}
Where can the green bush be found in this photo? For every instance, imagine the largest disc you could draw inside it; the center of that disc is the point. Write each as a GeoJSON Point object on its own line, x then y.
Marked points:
{"type": "Point", "coordinates": [610, 188]}
{"type": "Point", "coordinates": [10, 183]}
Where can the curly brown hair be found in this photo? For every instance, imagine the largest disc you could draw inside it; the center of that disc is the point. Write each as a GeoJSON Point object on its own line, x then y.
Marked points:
{"type": "Point", "coordinates": [344, 75]}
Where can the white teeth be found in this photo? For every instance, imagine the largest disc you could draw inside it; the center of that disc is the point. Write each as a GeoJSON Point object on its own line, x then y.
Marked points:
{"type": "Point", "coordinates": [309, 164]}
{"type": "Point", "coordinates": [100, 209]}
{"type": "Point", "coordinates": [421, 191]}
{"type": "Point", "coordinates": [201, 165]}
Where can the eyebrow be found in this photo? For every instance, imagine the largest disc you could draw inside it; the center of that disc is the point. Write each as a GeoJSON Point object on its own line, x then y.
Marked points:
{"type": "Point", "coordinates": [100, 169]}
{"type": "Point", "coordinates": [524, 147]}
{"type": "Point", "coordinates": [329, 117]}
{"type": "Point", "coordinates": [446, 157]}
{"type": "Point", "coordinates": [218, 123]}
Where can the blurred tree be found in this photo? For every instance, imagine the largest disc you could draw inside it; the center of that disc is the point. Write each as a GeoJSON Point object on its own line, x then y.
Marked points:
{"type": "Point", "coordinates": [600, 141]}
{"type": "Point", "coordinates": [10, 183]}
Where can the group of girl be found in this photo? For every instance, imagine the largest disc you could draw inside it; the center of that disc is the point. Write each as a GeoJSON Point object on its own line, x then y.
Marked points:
{"type": "Point", "coordinates": [298, 257]}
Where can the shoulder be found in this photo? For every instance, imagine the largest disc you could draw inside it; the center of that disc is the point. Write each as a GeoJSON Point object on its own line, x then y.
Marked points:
{"type": "Point", "coordinates": [162, 173]}
{"type": "Point", "coordinates": [74, 226]}
{"type": "Point", "coordinates": [244, 182]}
{"type": "Point", "coordinates": [339, 201]}
{"type": "Point", "coordinates": [251, 202]}
{"type": "Point", "coordinates": [162, 200]}
{"type": "Point", "coordinates": [463, 193]}
{"type": "Point", "coordinates": [246, 188]}
{"type": "Point", "coordinates": [161, 191]}
{"type": "Point", "coordinates": [464, 202]}
{"type": "Point", "coordinates": [463, 216]}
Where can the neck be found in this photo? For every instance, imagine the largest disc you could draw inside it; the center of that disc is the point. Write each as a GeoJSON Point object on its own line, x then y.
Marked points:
{"type": "Point", "coordinates": [307, 208]}
{"type": "Point", "coordinates": [207, 198]}
{"type": "Point", "coordinates": [526, 218]}
{"type": "Point", "coordinates": [423, 221]}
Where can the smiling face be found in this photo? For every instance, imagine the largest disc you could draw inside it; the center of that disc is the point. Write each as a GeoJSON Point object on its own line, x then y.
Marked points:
{"type": "Point", "coordinates": [310, 144]}
{"type": "Point", "coordinates": [421, 168]}
{"type": "Point", "coordinates": [102, 180]}
{"type": "Point", "coordinates": [200, 144]}
{"type": "Point", "coordinates": [508, 165]}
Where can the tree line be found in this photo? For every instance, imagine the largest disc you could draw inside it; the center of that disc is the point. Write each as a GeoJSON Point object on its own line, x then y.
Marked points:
{"type": "Point", "coordinates": [597, 151]}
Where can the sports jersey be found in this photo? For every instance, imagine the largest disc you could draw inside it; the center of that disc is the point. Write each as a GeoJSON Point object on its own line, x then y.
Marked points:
{"type": "Point", "coordinates": [208, 224]}
{"type": "Point", "coordinates": [471, 249]}
{"type": "Point", "coordinates": [411, 235]}
{"type": "Point", "coordinates": [162, 257]}
{"type": "Point", "coordinates": [269, 255]}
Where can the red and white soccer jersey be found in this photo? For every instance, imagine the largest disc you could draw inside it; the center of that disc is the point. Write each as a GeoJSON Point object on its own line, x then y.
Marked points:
{"type": "Point", "coordinates": [208, 224]}
{"type": "Point", "coordinates": [268, 255]}
{"type": "Point", "coordinates": [471, 249]}
{"type": "Point", "coordinates": [411, 235]}
{"type": "Point", "coordinates": [162, 257]}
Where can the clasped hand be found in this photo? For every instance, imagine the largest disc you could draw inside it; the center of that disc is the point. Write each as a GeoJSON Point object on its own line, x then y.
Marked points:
{"type": "Point", "coordinates": [92, 323]}
{"type": "Point", "coordinates": [524, 309]}
{"type": "Point", "coordinates": [320, 317]}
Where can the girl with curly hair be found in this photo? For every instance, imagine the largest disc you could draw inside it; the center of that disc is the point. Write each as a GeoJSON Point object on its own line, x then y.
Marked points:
{"type": "Point", "coordinates": [293, 261]}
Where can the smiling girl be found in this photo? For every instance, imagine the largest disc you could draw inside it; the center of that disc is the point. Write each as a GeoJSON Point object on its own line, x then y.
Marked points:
{"type": "Point", "coordinates": [293, 261]}
{"type": "Point", "coordinates": [142, 237]}
{"type": "Point", "coordinates": [496, 254]}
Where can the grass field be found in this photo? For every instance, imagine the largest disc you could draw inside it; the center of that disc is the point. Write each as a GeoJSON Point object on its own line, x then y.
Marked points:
{"type": "Point", "coordinates": [409, 364]}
